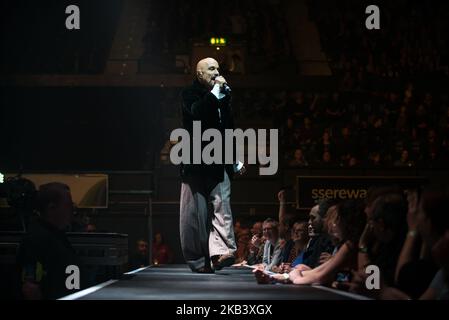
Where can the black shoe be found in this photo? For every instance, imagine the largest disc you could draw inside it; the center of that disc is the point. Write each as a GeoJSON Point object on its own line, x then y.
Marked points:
{"type": "Point", "coordinates": [225, 260]}
{"type": "Point", "coordinates": [204, 270]}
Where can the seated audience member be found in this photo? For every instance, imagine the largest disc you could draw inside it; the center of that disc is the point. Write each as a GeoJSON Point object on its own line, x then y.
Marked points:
{"type": "Point", "coordinates": [319, 240]}
{"type": "Point", "coordinates": [432, 224]}
{"type": "Point", "coordinates": [237, 227]}
{"type": "Point", "coordinates": [243, 244]}
{"type": "Point", "coordinates": [140, 258]}
{"type": "Point", "coordinates": [256, 244]}
{"type": "Point", "coordinates": [350, 222]}
{"type": "Point", "coordinates": [298, 159]}
{"type": "Point", "coordinates": [293, 250]}
{"type": "Point", "coordinates": [376, 192]}
{"type": "Point", "coordinates": [387, 228]}
{"type": "Point", "coordinates": [295, 241]}
{"type": "Point", "coordinates": [45, 252]}
{"type": "Point", "coordinates": [272, 249]}
{"type": "Point", "coordinates": [404, 160]}
{"type": "Point", "coordinates": [162, 254]}
{"type": "Point", "coordinates": [330, 227]}
{"type": "Point", "coordinates": [413, 259]}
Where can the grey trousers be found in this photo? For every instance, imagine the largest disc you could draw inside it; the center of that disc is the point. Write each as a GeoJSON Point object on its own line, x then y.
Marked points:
{"type": "Point", "coordinates": [204, 235]}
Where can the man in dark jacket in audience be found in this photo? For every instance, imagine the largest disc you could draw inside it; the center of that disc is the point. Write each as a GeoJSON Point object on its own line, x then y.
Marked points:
{"type": "Point", "coordinates": [320, 241]}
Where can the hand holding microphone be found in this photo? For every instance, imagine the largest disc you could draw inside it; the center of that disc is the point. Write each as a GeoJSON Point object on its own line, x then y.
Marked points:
{"type": "Point", "coordinates": [222, 83]}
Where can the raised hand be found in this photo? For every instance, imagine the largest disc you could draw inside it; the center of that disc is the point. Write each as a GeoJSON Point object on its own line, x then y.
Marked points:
{"type": "Point", "coordinates": [220, 80]}
{"type": "Point", "coordinates": [412, 199]}
{"type": "Point", "coordinates": [281, 196]}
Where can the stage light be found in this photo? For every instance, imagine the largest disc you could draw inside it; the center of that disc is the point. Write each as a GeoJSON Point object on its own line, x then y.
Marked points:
{"type": "Point", "coordinates": [1, 177]}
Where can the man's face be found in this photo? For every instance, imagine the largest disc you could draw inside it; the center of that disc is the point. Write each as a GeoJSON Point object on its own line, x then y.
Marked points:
{"type": "Point", "coordinates": [207, 70]}
{"type": "Point", "coordinates": [315, 221]}
{"type": "Point", "coordinates": [142, 247]}
{"type": "Point", "coordinates": [269, 231]}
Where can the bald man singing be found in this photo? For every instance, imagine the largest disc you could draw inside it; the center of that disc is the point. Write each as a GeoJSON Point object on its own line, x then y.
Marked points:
{"type": "Point", "coordinates": [207, 238]}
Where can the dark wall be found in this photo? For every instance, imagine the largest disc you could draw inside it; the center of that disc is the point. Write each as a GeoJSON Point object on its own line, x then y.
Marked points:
{"type": "Point", "coordinates": [35, 39]}
{"type": "Point", "coordinates": [80, 128]}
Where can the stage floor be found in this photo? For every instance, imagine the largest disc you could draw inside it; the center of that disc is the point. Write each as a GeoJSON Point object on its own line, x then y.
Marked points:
{"type": "Point", "coordinates": [177, 282]}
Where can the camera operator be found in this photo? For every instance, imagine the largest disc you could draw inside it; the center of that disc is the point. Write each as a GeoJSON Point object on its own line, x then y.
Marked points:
{"type": "Point", "coordinates": [45, 252]}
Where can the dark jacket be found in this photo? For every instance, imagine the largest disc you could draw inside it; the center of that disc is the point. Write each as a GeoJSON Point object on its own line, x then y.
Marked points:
{"type": "Point", "coordinates": [44, 254]}
{"type": "Point", "coordinates": [199, 104]}
{"type": "Point", "coordinates": [317, 245]}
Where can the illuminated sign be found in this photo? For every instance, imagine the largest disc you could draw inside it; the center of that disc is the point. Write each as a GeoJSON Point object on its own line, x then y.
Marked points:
{"type": "Point", "coordinates": [310, 189]}
{"type": "Point", "coordinates": [216, 41]}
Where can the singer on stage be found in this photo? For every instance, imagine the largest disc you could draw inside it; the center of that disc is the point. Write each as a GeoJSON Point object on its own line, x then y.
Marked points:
{"type": "Point", "coordinates": [207, 239]}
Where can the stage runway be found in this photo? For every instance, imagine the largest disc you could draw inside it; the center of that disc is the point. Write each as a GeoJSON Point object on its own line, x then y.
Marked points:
{"type": "Point", "coordinates": [177, 282]}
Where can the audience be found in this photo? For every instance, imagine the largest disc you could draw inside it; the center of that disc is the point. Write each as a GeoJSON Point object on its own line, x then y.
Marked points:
{"type": "Point", "coordinates": [260, 25]}
{"type": "Point", "coordinates": [403, 232]}
{"type": "Point", "coordinates": [140, 258]}
{"type": "Point", "coordinates": [350, 221]}
{"type": "Point", "coordinates": [162, 254]}
{"type": "Point", "coordinates": [386, 232]}
{"type": "Point", "coordinates": [425, 217]}
{"type": "Point", "coordinates": [379, 130]}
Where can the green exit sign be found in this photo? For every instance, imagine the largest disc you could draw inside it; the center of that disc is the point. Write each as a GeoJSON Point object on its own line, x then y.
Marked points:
{"type": "Point", "coordinates": [216, 41]}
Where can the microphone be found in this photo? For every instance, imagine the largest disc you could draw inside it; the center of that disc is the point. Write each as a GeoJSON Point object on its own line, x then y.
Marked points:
{"type": "Point", "coordinates": [226, 88]}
